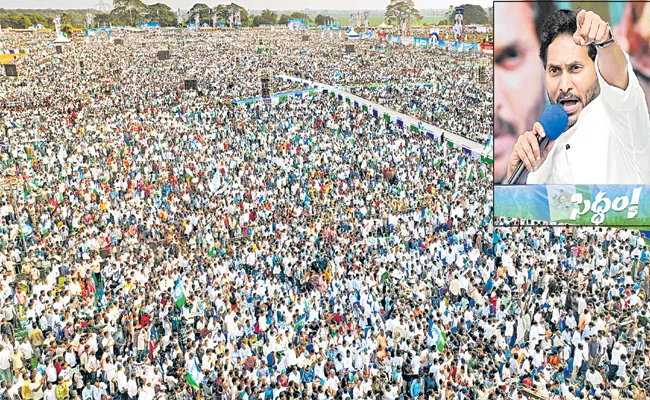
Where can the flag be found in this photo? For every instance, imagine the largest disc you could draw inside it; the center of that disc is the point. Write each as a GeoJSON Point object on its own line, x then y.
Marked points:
{"type": "Point", "coordinates": [27, 229]}
{"type": "Point", "coordinates": [462, 164]}
{"type": "Point", "coordinates": [470, 173]}
{"type": "Point", "coordinates": [179, 293]}
{"type": "Point", "coordinates": [438, 336]}
{"type": "Point", "coordinates": [299, 323]}
{"type": "Point", "coordinates": [437, 162]}
{"type": "Point", "coordinates": [212, 251]}
{"type": "Point", "coordinates": [481, 173]}
{"type": "Point", "coordinates": [194, 377]}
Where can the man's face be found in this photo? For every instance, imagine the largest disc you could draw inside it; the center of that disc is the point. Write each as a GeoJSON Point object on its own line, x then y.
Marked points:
{"type": "Point", "coordinates": [571, 79]}
{"type": "Point", "coordinates": [518, 79]}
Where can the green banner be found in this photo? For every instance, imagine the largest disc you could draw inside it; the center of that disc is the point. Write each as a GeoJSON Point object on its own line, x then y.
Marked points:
{"type": "Point", "coordinates": [588, 205]}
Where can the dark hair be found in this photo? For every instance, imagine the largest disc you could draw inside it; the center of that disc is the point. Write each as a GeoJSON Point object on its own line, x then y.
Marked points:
{"type": "Point", "coordinates": [558, 23]}
{"type": "Point", "coordinates": [541, 10]}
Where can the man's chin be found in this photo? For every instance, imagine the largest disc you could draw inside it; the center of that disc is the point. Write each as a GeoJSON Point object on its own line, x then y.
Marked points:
{"type": "Point", "coordinates": [572, 120]}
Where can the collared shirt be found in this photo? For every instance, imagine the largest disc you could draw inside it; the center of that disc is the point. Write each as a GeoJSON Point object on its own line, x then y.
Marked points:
{"type": "Point", "coordinates": [87, 393]}
{"type": "Point", "coordinates": [609, 143]}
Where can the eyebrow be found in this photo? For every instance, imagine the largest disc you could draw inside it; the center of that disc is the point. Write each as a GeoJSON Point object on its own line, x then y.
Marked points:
{"type": "Point", "coordinates": [573, 64]}
{"type": "Point", "coordinates": [507, 50]}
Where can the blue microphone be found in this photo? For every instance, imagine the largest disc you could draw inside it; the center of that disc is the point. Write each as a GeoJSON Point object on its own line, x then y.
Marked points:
{"type": "Point", "coordinates": [554, 120]}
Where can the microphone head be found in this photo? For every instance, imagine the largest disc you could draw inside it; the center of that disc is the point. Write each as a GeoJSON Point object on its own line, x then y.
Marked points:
{"type": "Point", "coordinates": [554, 120]}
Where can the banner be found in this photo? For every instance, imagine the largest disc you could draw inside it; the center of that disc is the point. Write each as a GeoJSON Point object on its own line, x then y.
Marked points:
{"type": "Point", "coordinates": [422, 42]}
{"type": "Point", "coordinates": [589, 205]}
{"type": "Point", "coordinates": [296, 23]}
{"type": "Point", "coordinates": [487, 48]}
{"type": "Point", "coordinates": [148, 25]}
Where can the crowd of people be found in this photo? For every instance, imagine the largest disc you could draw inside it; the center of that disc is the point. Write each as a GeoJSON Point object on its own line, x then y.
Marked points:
{"type": "Point", "coordinates": [573, 304]}
{"type": "Point", "coordinates": [458, 99]}
{"type": "Point", "coordinates": [163, 243]}
{"type": "Point", "coordinates": [305, 236]}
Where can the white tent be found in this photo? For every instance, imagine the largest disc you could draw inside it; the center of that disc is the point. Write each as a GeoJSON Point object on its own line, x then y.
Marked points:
{"type": "Point", "coordinates": [384, 26]}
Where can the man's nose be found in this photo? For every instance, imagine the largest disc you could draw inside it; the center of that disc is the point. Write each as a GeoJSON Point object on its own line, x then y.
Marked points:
{"type": "Point", "coordinates": [566, 83]}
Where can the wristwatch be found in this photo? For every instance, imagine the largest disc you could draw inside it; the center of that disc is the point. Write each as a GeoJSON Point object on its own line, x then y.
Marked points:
{"type": "Point", "coordinates": [609, 42]}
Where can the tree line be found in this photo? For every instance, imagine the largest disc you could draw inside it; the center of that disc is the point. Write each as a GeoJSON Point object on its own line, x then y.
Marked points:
{"type": "Point", "coordinates": [130, 12]}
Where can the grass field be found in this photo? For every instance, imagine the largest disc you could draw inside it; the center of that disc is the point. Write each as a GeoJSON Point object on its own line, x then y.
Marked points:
{"type": "Point", "coordinates": [375, 20]}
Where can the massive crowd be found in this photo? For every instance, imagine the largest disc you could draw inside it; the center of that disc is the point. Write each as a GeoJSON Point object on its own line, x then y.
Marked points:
{"type": "Point", "coordinates": [279, 251]}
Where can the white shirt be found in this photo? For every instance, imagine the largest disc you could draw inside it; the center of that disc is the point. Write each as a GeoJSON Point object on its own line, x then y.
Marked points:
{"type": "Point", "coordinates": [609, 143]}
{"type": "Point", "coordinates": [5, 356]}
{"type": "Point", "coordinates": [132, 388]}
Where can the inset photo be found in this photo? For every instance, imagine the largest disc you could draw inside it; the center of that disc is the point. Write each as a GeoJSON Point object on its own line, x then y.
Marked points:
{"type": "Point", "coordinates": [571, 93]}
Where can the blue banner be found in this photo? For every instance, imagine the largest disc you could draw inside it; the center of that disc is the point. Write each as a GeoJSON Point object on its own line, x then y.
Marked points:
{"type": "Point", "coordinates": [587, 205]}
{"type": "Point", "coordinates": [148, 25]}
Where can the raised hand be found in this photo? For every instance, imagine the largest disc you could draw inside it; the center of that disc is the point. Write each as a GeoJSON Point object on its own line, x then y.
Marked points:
{"type": "Point", "coordinates": [590, 29]}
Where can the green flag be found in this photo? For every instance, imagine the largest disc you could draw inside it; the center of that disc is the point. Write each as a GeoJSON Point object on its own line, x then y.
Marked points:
{"type": "Point", "coordinates": [179, 293]}
{"type": "Point", "coordinates": [194, 377]}
{"type": "Point", "coordinates": [470, 173]}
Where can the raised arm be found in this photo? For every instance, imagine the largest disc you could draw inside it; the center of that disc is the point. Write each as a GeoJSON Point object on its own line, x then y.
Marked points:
{"type": "Point", "coordinates": [612, 63]}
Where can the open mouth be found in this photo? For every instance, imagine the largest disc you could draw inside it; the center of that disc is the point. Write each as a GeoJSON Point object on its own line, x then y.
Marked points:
{"type": "Point", "coordinates": [570, 105]}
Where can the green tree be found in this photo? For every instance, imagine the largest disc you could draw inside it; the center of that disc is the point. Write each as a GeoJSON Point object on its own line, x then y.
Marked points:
{"type": "Point", "coordinates": [322, 19]}
{"type": "Point", "coordinates": [103, 19]}
{"type": "Point", "coordinates": [400, 10]}
{"type": "Point", "coordinates": [38, 19]}
{"type": "Point", "coordinates": [300, 15]}
{"type": "Point", "coordinates": [203, 10]}
{"type": "Point", "coordinates": [268, 17]}
{"type": "Point", "coordinates": [472, 14]}
{"type": "Point", "coordinates": [255, 20]}
{"type": "Point", "coordinates": [284, 19]}
{"type": "Point", "coordinates": [223, 12]}
{"type": "Point", "coordinates": [160, 13]}
{"type": "Point", "coordinates": [128, 12]}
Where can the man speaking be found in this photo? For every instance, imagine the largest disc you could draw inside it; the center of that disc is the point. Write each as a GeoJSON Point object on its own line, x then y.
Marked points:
{"type": "Point", "coordinates": [607, 140]}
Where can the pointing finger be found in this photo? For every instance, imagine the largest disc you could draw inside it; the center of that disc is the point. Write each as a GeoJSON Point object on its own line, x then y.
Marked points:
{"type": "Point", "coordinates": [584, 30]}
{"type": "Point", "coordinates": [580, 17]}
